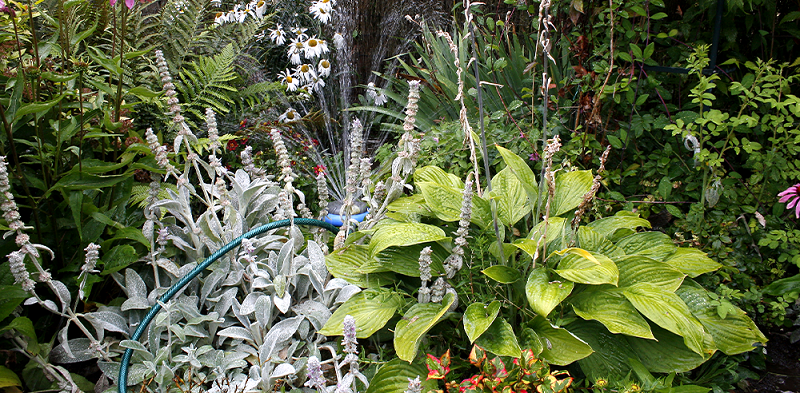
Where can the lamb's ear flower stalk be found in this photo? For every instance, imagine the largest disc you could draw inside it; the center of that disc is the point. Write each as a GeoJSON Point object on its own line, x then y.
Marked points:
{"type": "Point", "coordinates": [424, 294]}
{"type": "Point", "coordinates": [348, 383]}
{"type": "Point", "coordinates": [351, 184]}
{"type": "Point", "coordinates": [454, 262]}
{"type": "Point", "coordinates": [414, 385]}
{"type": "Point", "coordinates": [92, 255]}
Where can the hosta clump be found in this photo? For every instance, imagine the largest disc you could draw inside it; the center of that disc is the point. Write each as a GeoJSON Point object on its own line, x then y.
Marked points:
{"type": "Point", "coordinates": [602, 295]}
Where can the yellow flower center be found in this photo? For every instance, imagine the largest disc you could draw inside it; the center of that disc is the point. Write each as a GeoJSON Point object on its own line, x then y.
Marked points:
{"type": "Point", "coordinates": [304, 68]}
{"type": "Point", "coordinates": [325, 64]}
{"type": "Point", "coordinates": [290, 115]}
{"type": "Point", "coordinates": [312, 42]}
{"type": "Point", "coordinates": [299, 45]}
{"type": "Point", "coordinates": [289, 79]}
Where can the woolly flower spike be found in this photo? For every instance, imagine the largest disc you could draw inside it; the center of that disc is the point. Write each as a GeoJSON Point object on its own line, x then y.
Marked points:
{"type": "Point", "coordinates": [213, 133]}
{"type": "Point", "coordinates": [414, 385]}
{"type": "Point", "coordinates": [283, 156]}
{"type": "Point", "coordinates": [791, 195]}
{"type": "Point", "coordinates": [454, 262]}
{"type": "Point", "coordinates": [438, 290]}
{"type": "Point", "coordinates": [16, 262]}
{"type": "Point", "coordinates": [314, 374]}
{"type": "Point", "coordinates": [166, 81]}
{"type": "Point", "coordinates": [424, 294]}
{"type": "Point", "coordinates": [411, 107]}
{"type": "Point", "coordinates": [249, 166]}
{"type": "Point", "coordinates": [158, 150]}
{"type": "Point", "coordinates": [92, 255]}
{"type": "Point", "coordinates": [349, 331]}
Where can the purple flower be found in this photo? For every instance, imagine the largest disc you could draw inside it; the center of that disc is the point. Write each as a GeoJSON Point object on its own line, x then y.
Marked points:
{"type": "Point", "coordinates": [791, 195]}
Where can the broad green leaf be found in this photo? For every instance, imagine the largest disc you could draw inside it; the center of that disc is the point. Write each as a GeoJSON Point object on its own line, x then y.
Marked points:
{"type": "Point", "coordinates": [667, 310]}
{"type": "Point", "coordinates": [618, 226]}
{"type": "Point", "coordinates": [544, 294]}
{"type": "Point", "coordinates": [532, 341]}
{"type": "Point", "coordinates": [609, 307]}
{"type": "Point", "coordinates": [415, 323]}
{"type": "Point", "coordinates": [734, 334]}
{"type": "Point", "coordinates": [437, 175]}
{"type": "Point", "coordinates": [593, 268]}
{"type": "Point", "coordinates": [667, 354]}
{"type": "Point", "coordinates": [656, 245]}
{"type": "Point", "coordinates": [692, 262]}
{"type": "Point", "coordinates": [570, 188]}
{"type": "Point", "coordinates": [87, 181]}
{"type": "Point", "coordinates": [523, 172]}
{"type": "Point", "coordinates": [36, 107]}
{"type": "Point", "coordinates": [405, 260]}
{"type": "Point", "coordinates": [8, 378]}
{"type": "Point", "coordinates": [512, 202]}
{"type": "Point", "coordinates": [478, 318]}
{"type": "Point", "coordinates": [502, 274]}
{"type": "Point", "coordinates": [393, 377]}
{"type": "Point", "coordinates": [119, 258]}
{"type": "Point", "coordinates": [403, 234]}
{"type": "Point", "coordinates": [635, 269]}
{"type": "Point", "coordinates": [560, 347]}
{"type": "Point", "coordinates": [445, 202]}
{"type": "Point", "coordinates": [611, 351]}
{"type": "Point", "coordinates": [12, 297]}
{"type": "Point", "coordinates": [345, 264]}
{"type": "Point", "coordinates": [555, 230]}
{"type": "Point", "coordinates": [499, 339]}
{"type": "Point", "coordinates": [590, 240]}
{"type": "Point", "coordinates": [370, 308]}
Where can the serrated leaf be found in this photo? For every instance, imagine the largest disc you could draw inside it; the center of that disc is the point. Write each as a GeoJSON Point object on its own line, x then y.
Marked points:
{"type": "Point", "coordinates": [543, 294]}
{"type": "Point", "coordinates": [560, 347]}
{"type": "Point", "coordinates": [570, 188]}
{"type": "Point", "coordinates": [588, 268]}
{"type": "Point", "coordinates": [669, 311]}
{"type": "Point", "coordinates": [609, 307]}
{"type": "Point", "coordinates": [417, 321]}
{"type": "Point", "coordinates": [478, 318]}
{"type": "Point", "coordinates": [499, 339]}
{"type": "Point", "coordinates": [370, 308]}
{"type": "Point", "coordinates": [502, 274]}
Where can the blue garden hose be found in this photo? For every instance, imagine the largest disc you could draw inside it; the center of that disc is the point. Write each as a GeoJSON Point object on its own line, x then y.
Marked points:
{"type": "Point", "coordinates": [126, 358]}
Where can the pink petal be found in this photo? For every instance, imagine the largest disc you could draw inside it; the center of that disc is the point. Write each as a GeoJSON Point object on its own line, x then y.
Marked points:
{"type": "Point", "coordinates": [785, 198]}
{"type": "Point", "coordinates": [130, 3]}
{"type": "Point", "coordinates": [112, 2]}
{"type": "Point", "coordinates": [793, 202]}
{"type": "Point", "coordinates": [797, 211]}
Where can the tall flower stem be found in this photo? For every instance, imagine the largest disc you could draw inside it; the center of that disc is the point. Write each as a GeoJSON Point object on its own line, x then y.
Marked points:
{"type": "Point", "coordinates": [118, 102]}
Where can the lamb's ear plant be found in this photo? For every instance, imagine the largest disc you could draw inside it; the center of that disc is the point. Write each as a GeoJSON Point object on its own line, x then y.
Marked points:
{"type": "Point", "coordinates": [602, 294]}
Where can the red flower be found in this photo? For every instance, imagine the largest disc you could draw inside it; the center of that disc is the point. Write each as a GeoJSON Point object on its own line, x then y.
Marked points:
{"type": "Point", "coordinates": [319, 169]}
{"type": "Point", "coordinates": [233, 144]}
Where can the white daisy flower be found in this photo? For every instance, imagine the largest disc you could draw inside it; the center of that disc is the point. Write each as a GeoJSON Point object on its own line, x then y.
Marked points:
{"type": "Point", "coordinates": [289, 116]}
{"type": "Point", "coordinates": [290, 80]}
{"type": "Point", "coordinates": [317, 84]}
{"type": "Point", "coordinates": [376, 95]}
{"type": "Point", "coordinates": [321, 11]}
{"type": "Point", "coordinates": [300, 32]}
{"type": "Point", "coordinates": [278, 36]}
{"type": "Point", "coordinates": [305, 72]}
{"type": "Point", "coordinates": [295, 48]}
{"type": "Point", "coordinates": [260, 8]}
{"type": "Point", "coordinates": [338, 40]}
{"type": "Point", "coordinates": [313, 48]}
{"type": "Point", "coordinates": [324, 68]}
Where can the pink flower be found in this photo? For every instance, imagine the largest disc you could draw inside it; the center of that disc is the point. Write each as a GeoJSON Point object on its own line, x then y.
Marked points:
{"type": "Point", "coordinates": [128, 3]}
{"type": "Point", "coordinates": [791, 195]}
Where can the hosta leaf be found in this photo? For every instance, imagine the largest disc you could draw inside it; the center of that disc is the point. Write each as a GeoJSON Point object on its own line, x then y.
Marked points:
{"type": "Point", "coordinates": [611, 351]}
{"type": "Point", "coordinates": [545, 294]}
{"type": "Point", "coordinates": [691, 261]}
{"type": "Point", "coordinates": [555, 231]}
{"type": "Point", "coordinates": [370, 308]}
{"type": "Point", "coordinates": [346, 263]}
{"type": "Point", "coordinates": [570, 188]}
{"type": "Point", "coordinates": [8, 378]}
{"type": "Point", "coordinates": [445, 202]}
{"type": "Point", "coordinates": [499, 339]}
{"type": "Point", "coordinates": [437, 175]}
{"type": "Point", "coordinates": [655, 245]}
{"type": "Point", "coordinates": [512, 202]}
{"type": "Point", "coordinates": [403, 234]}
{"type": "Point", "coordinates": [635, 268]}
{"type": "Point", "coordinates": [590, 240]}
{"type": "Point", "coordinates": [667, 354]}
{"type": "Point", "coordinates": [584, 267]}
{"type": "Point", "coordinates": [405, 260]}
{"type": "Point", "coordinates": [608, 306]}
{"type": "Point", "coordinates": [622, 224]}
{"type": "Point", "coordinates": [502, 274]}
{"type": "Point", "coordinates": [393, 377]}
{"type": "Point", "coordinates": [415, 323]}
{"type": "Point", "coordinates": [523, 172]}
{"type": "Point", "coordinates": [478, 318]}
{"type": "Point", "coordinates": [560, 347]}
{"type": "Point", "coordinates": [667, 310]}
{"type": "Point", "coordinates": [736, 333]}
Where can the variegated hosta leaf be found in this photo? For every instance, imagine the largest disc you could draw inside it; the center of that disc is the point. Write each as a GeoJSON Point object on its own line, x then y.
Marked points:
{"type": "Point", "coordinates": [393, 377]}
{"type": "Point", "coordinates": [512, 203]}
{"type": "Point", "coordinates": [590, 240]}
{"type": "Point", "coordinates": [545, 294]}
{"type": "Point", "coordinates": [436, 175]}
{"type": "Point", "coordinates": [655, 245]}
{"type": "Point", "coordinates": [607, 305]}
{"type": "Point", "coordinates": [570, 189]}
{"type": "Point", "coordinates": [523, 172]}
{"type": "Point", "coordinates": [346, 264]}
{"type": "Point", "coordinates": [403, 234]}
{"type": "Point", "coordinates": [692, 262]}
{"type": "Point", "coordinates": [445, 202]}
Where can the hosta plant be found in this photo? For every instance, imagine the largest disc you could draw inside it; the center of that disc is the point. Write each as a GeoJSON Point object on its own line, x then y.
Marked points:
{"type": "Point", "coordinates": [603, 295]}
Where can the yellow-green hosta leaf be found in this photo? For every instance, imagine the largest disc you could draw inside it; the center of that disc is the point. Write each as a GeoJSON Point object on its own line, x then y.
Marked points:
{"type": "Point", "coordinates": [655, 245]}
{"type": "Point", "coordinates": [499, 339]}
{"type": "Point", "coordinates": [9, 378]}
{"type": "Point", "coordinates": [403, 234]}
{"type": "Point", "coordinates": [502, 274]}
{"type": "Point", "coordinates": [554, 231]}
{"type": "Point", "coordinates": [523, 172]}
{"type": "Point", "coordinates": [618, 226]}
{"type": "Point", "coordinates": [610, 358]}
{"type": "Point", "coordinates": [346, 264]}
{"type": "Point", "coordinates": [691, 261]}
{"type": "Point", "coordinates": [544, 294]}
{"type": "Point", "coordinates": [590, 240]}
{"type": "Point", "coordinates": [584, 267]}
{"type": "Point", "coordinates": [635, 268]}
{"type": "Point", "coordinates": [608, 306]}
{"type": "Point", "coordinates": [512, 202]}
{"type": "Point", "coordinates": [370, 308]}
{"type": "Point", "coordinates": [559, 346]}
{"type": "Point", "coordinates": [736, 333]}
{"type": "Point", "coordinates": [668, 310]}
{"type": "Point", "coordinates": [405, 260]}
{"type": "Point", "coordinates": [445, 202]}
{"type": "Point", "coordinates": [570, 188]}
{"type": "Point", "coordinates": [478, 318]}
{"type": "Point", "coordinates": [415, 323]}
{"type": "Point", "coordinates": [410, 207]}
{"type": "Point", "coordinates": [667, 354]}
{"type": "Point", "coordinates": [393, 377]}
{"type": "Point", "coordinates": [434, 174]}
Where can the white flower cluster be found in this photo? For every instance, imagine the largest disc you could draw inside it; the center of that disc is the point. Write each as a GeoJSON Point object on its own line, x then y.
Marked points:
{"type": "Point", "coordinates": [255, 9]}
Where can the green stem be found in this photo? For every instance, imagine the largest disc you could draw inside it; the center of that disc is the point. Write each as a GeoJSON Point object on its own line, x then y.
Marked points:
{"type": "Point", "coordinates": [118, 102]}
